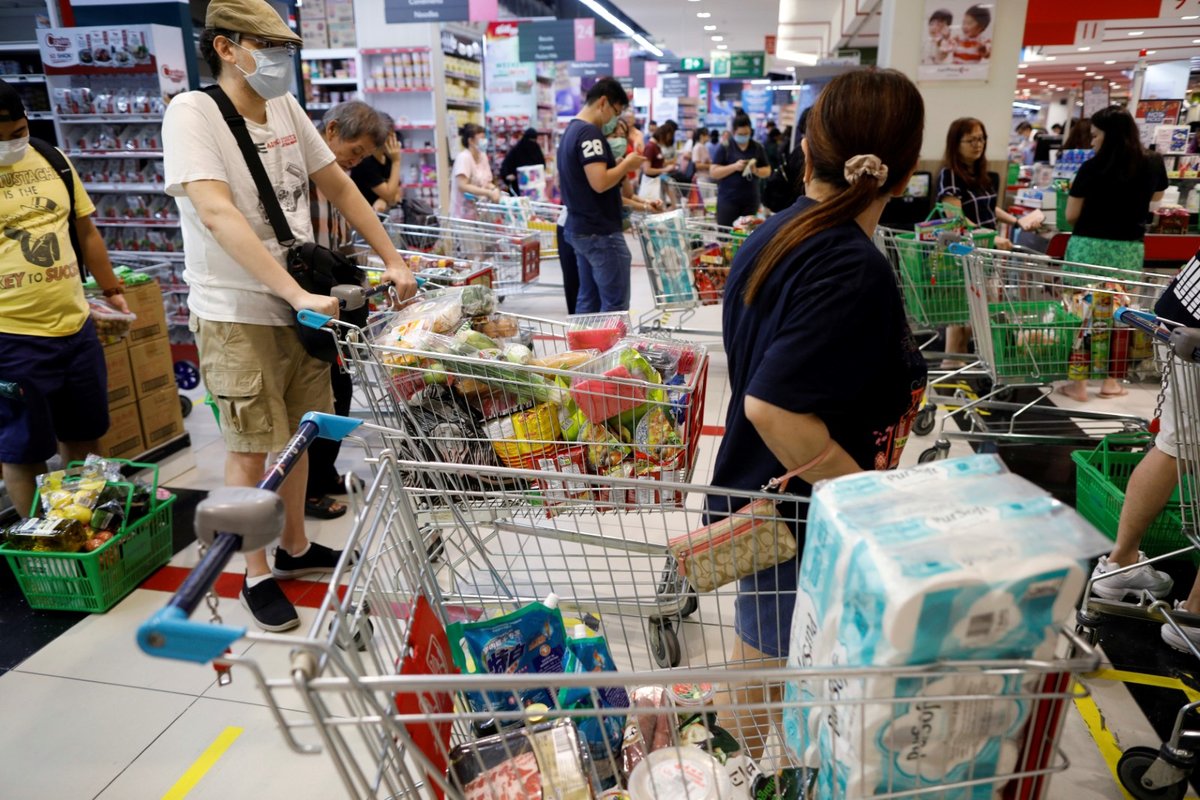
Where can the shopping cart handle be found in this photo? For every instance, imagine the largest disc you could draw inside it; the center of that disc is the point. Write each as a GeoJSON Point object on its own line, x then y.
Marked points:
{"type": "Point", "coordinates": [229, 520]}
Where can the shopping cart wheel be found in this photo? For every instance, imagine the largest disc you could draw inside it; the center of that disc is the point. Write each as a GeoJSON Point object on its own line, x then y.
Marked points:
{"type": "Point", "coordinates": [664, 645]}
{"type": "Point", "coordinates": [926, 419]}
{"type": "Point", "coordinates": [1137, 761]}
{"type": "Point", "coordinates": [935, 453]}
{"type": "Point", "coordinates": [363, 629]}
{"type": "Point", "coordinates": [187, 375]}
{"type": "Point", "coordinates": [691, 604]}
{"type": "Point", "coordinates": [185, 405]}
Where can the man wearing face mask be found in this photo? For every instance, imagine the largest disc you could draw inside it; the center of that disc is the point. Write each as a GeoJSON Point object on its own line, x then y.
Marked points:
{"type": "Point", "coordinates": [737, 167]}
{"type": "Point", "coordinates": [242, 299]}
{"type": "Point", "coordinates": [55, 396]}
{"type": "Point", "coordinates": [590, 180]}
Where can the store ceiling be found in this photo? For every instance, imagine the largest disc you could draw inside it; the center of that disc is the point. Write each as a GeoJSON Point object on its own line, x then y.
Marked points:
{"type": "Point", "coordinates": [1118, 41]}
{"type": "Point", "coordinates": [674, 26]}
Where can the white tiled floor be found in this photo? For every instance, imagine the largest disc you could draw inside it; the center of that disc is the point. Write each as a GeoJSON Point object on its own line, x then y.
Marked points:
{"type": "Point", "coordinates": [90, 716]}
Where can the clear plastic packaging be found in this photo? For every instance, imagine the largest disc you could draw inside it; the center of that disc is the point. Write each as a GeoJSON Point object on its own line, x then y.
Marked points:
{"type": "Point", "coordinates": [111, 325]}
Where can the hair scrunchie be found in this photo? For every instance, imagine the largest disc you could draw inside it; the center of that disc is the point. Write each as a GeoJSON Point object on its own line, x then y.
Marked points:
{"type": "Point", "coordinates": [865, 165]}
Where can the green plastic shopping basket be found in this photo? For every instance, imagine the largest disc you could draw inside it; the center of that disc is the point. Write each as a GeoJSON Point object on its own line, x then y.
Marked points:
{"type": "Point", "coordinates": [95, 581]}
{"type": "Point", "coordinates": [1101, 476]}
{"type": "Point", "coordinates": [1032, 340]}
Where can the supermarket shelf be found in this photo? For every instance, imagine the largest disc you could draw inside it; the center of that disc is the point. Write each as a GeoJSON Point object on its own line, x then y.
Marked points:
{"type": "Point", "coordinates": [166, 255]}
{"type": "Point", "coordinates": [418, 186]}
{"type": "Point", "coordinates": [24, 78]}
{"type": "Point", "coordinates": [125, 188]}
{"type": "Point", "coordinates": [463, 102]}
{"type": "Point", "coordinates": [417, 150]}
{"type": "Point", "coordinates": [463, 76]}
{"type": "Point", "coordinates": [385, 51]}
{"type": "Point", "coordinates": [328, 53]}
{"type": "Point", "coordinates": [412, 90]}
{"type": "Point", "coordinates": [136, 223]}
{"type": "Point", "coordinates": [18, 47]}
{"type": "Point", "coordinates": [115, 153]}
{"type": "Point", "coordinates": [107, 119]}
{"type": "Point", "coordinates": [415, 127]}
{"type": "Point", "coordinates": [39, 115]}
{"type": "Point", "coordinates": [332, 81]}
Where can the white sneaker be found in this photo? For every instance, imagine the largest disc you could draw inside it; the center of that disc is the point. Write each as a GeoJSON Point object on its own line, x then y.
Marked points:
{"type": "Point", "coordinates": [1133, 582]}
{"type": "Point", "coordinates": [1175, 640]}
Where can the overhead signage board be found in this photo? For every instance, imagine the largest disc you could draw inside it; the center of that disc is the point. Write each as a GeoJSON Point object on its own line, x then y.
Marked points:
{"type": "Point", "coordinates": [399, 12]}
{"type": "Point", "coordinates": [601, 66]}
{"type": "Point", "coordinates": [547, 41]}
{"type": "Point", "coordinates": [691, 65]}
{"type": "Point", "coordinates": [674, 86]}
{"type": "Point", "coordinates": [747, 65]}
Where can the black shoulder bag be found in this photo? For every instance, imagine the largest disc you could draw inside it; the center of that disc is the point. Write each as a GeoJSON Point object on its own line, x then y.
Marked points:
{"type": "Point", "coordinates": [316, 268]}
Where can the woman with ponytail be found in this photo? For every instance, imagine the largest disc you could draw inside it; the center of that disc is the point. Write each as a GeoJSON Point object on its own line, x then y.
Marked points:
{"type": "Point", "coordinates": [825, 377]}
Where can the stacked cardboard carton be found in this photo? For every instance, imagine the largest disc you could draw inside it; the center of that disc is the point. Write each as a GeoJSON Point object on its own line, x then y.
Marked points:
{"type": "Point", "coordinates": [143, 403]}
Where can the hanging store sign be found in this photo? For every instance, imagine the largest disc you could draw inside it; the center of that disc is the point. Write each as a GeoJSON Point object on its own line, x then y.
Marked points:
{"type": "Point", "coordinates": [747, 65]}
{"type": "Point", "coordinates": [598, 67]}
{"type": "Point", "coordinates": [547, 41]}
{"type": "Point", "coordinates": [400, 12]}
{"type": "Point", "coordinates": [675, 86]}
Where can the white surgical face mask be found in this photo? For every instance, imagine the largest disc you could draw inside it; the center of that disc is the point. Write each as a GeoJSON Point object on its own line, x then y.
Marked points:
{"type": "Point", "coordinates": [273, 71]}
{"type": "Point", "coordinates": [13, 151]}
{"type": "Point", "coordinates": [481, 144]}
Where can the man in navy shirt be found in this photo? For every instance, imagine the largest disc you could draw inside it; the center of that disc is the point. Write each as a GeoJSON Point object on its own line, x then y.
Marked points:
{"type": "Point", "coordinates": [590, 181]}
{"type": "Point", "coordinates": [737, 191]}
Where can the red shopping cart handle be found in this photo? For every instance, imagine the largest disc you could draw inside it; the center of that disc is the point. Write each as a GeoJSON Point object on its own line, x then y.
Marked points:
{"type": "Point", "coordinates": [229, 520]}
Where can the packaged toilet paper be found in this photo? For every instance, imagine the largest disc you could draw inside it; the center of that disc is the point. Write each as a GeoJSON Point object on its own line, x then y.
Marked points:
{"type": "Point", "coordinates": [953, 561]}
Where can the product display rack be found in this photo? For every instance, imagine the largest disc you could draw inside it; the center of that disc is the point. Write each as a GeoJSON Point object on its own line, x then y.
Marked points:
{"type": "Point", "coordinates": [108, 88]}
{"type": "Point", "coordinates": [329, 76]}
{"type": "Point", "coordinates": [398, 81]}
{"type": "Point", "coordinates": [21, 66]}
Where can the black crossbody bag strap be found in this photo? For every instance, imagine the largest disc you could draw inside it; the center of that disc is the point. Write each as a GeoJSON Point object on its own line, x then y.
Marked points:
{"type": "Point", "coordinates": [237, 125]}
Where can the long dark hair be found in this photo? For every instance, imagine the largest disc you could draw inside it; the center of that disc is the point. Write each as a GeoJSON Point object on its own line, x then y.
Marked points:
{"type": "Point", "coordinates": [1080, 137]}
{"type": "Point", "coordinates": [869, 111]}
{"type": "Point", "coordinates": [1121, 152]}
{"type": "Point", "coordinates": [975, 176]}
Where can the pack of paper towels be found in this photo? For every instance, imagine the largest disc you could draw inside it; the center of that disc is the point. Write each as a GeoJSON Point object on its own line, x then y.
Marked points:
{"type": "Point", "coordinates": [951, 561]}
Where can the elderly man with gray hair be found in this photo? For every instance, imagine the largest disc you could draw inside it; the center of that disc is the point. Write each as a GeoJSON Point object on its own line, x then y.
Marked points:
{"type": "Point", "coordinates": [243, 300]}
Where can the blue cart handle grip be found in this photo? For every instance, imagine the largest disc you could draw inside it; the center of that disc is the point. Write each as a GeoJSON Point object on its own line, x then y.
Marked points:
{"type": "Point", "coordinates": [229, 520]}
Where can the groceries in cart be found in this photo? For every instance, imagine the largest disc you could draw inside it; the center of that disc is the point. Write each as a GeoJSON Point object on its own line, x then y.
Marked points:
{"type": "Point", "coordinates": [79, 509]}
{"type": "Point", "coordinates": [954, 561]}
{"type": "Point", "coordinates": [112, 325]}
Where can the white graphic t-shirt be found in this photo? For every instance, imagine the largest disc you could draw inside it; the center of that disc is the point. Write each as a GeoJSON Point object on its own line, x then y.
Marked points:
{"type": "Point", "coordinates": [198, 145]}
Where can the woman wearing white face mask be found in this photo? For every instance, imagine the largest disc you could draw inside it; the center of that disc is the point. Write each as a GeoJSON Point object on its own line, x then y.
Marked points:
{"type": "Point", "coordinates": [242, 300]}
{"type": "Point", "coordinates": [472, 174]}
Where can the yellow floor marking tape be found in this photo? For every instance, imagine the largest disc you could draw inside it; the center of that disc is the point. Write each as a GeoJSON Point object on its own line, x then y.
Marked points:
{"type": "Point", "coordinates": [1106, 743]}
{"type": "Point", "coordinates": [203, 764]}
{"type": "Point", "coordinates": [1144, 679]}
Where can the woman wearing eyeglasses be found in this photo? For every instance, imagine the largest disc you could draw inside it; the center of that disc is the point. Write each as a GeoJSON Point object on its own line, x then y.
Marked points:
{"type": "Point", "coordinates": [965, 187]}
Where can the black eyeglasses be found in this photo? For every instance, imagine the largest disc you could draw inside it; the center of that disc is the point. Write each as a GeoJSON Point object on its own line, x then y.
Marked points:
{"type": "Point", "coordinates": [266, 44]}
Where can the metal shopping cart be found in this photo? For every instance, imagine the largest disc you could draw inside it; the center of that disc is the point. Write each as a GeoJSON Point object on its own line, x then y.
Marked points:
{"type": "Point", "coordinates": [374, 667]}
{"type": "Point", "coordinates": [1037, 320]}
{"type": "Point", "coordinates": [521, 213]}
{"type": "Point", "coordinates": [1148, 772]}
{"type": "Point", "coordinates": [515, 254]}
{"type": "Point", "coordinates": [688, 261]}
{"type": "Point", "coordinates": [699, 199]}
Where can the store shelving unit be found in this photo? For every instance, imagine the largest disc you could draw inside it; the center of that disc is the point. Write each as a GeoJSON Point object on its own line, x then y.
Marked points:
{"type": "Point", "coordinates": [108, 119]}
{"type": "Point", "coordinates": [21, 66]}
{"type": "Point", "coordinates": [329, 76]}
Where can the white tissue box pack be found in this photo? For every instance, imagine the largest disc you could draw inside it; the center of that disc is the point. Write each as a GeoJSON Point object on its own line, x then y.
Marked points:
{"type": "Point", "coordinates": [956, 560]}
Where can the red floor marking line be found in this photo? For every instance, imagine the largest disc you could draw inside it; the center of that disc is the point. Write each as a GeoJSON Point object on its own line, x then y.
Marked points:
{"type": "Point", "coordinates": [712, 430]}
{"type": "Point", "coordinates": [306, 594]}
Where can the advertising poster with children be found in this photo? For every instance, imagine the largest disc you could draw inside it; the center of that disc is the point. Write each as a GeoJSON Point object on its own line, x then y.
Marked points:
{"type": "Point", "coordinates": [956, 40]}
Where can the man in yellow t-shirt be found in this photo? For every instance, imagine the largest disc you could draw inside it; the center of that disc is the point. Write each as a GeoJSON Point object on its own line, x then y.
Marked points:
{"type": "Point", "coordinates": [54, 386]}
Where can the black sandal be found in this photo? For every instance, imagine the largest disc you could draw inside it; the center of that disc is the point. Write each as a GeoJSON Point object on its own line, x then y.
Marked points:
{"type": "Point", "coordinates": [323, 508]}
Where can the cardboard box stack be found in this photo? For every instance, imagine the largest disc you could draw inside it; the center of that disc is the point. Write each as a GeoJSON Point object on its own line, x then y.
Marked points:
{"type": "Point", "coordinates": [143, 401]}
{"type": "Point", "coordinates": [340, 16]}
{"type": "Point", "coordinates": [313, 27]}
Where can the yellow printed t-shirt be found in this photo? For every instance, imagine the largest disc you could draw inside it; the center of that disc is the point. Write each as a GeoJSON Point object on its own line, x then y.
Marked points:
{"type": "Point", "coordinates": [40, 290]}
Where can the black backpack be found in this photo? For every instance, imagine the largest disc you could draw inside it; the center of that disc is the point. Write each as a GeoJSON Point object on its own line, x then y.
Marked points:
{"type": "Point", "coordinates": [418, 212]}
{"type": "Point", "coordinates": [58, 162]}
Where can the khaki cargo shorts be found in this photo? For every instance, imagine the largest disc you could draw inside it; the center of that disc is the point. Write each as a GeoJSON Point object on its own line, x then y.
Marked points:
{"type": "Point", "coordinates": [263, 382]}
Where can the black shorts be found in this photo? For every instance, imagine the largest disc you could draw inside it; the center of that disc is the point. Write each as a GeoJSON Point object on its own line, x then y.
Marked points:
{"type": "Point", "coordinates": [64, 393]}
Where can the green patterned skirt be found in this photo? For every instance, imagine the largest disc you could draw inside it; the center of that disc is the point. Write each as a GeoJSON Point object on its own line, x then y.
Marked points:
{"type": "Point", "coordinates": [1124, 255]}
{"type": "Point", "coordinates": [1106, 252]}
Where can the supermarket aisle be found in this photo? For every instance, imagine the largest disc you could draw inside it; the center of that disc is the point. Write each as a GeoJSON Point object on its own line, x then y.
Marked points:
{"type": "Point", "coordinates": [146, 722]}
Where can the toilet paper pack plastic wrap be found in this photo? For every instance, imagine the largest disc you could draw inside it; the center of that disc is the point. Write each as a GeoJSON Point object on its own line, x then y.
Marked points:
{"type": "Point", "coordinates": [951, 561]}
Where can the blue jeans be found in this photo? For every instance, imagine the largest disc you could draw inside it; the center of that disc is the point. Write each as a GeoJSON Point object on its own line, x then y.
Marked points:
{"type": "Point", "coordinates": [604, 262]}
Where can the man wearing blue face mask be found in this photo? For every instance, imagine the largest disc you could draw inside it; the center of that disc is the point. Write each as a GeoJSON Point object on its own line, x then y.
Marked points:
{"type": "Point", "coordinates": [590, 177]}
{"type": "Point", "coordinates": [242, 299]}
{"type": "Point", "coordinates": [737, 168]}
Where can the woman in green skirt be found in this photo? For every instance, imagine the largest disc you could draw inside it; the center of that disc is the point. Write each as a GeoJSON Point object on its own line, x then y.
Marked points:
{"type": "Point", "coordinates": [1108, 205]}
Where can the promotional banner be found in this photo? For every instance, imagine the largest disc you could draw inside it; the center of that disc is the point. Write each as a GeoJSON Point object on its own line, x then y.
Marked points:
{"type": "Point", "coordinates": [406, 11]}
{"type": "Point", "coordinates": [956, 41]}
{"type": "Point", "coordinates": [720, 64]}
{"type": "Point", "coordinates": [651, 75]}
{"type": "Point", "coordinates": [757, 100]}
{"type": "Point", "coordinates": [511, 83]}
{"type": "Point", "coordinates": [585, 39]}
{"type": "Point", "coordinates": [547, 41]}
